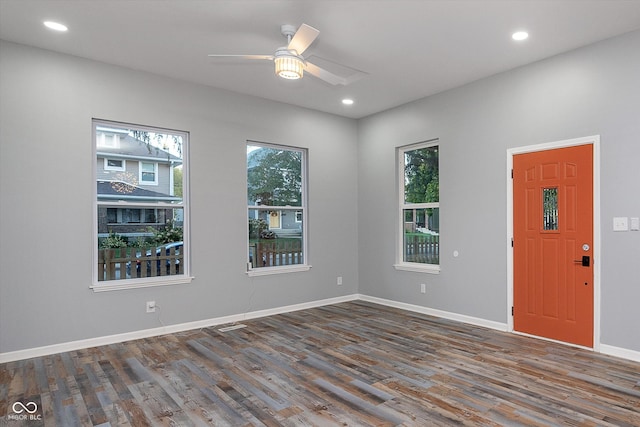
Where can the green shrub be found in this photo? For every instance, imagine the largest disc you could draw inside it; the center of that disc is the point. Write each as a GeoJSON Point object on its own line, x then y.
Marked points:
{"type": "Point", "coordinates": [169, 234]}
{"type": "Point", "coordinates": [140, 242]}
{"type": "Point", "coordinates": [113, 241]}
{"type": "Point", "coordinates": [256, 227]}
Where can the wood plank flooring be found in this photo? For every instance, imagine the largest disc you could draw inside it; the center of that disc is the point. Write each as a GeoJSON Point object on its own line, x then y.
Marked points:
{"type": "Point", "coordinates": [350, 364]}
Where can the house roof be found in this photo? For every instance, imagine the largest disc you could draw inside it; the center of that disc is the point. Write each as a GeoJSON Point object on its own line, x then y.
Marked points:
{"type": "Point", "coordinates": [120, 190]}
{"type": "Point", "coordinates": [130, 147]}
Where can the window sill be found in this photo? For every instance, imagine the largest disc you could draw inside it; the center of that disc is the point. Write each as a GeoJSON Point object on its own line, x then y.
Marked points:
{"type": "Point", "coordinates": [265, 271]}
{"type": "Point", "coordinates": [119, 285]}
{"type": "Point", "coordinates": [418, 268]}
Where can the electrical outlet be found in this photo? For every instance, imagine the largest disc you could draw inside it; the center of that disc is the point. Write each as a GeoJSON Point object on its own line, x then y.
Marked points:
{"type": "Point", "coordinates": [339, 281]}
{"type": "Point", "coordinates": [423, 288]}
{"type": "Point", "coordinates": [151, 306]}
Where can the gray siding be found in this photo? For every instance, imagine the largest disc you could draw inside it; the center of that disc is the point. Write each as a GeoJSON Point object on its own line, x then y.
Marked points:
{"type": "Point", "coordinates": [133, 167]}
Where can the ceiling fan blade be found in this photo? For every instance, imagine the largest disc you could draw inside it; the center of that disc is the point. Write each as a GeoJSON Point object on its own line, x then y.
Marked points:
{"type": "Point", "coordinates": [268, 57]}
{"type": "Point", "coordinates": [303, 38]}
{"type": "Point", "coordinates": [325, 75]}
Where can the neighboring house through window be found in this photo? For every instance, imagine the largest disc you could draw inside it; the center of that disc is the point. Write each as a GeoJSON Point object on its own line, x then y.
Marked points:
{"type": "Point", "coordinates": [277, 208]}
{"type": "Point", "coordinates": [140, 223]}
{"type": "Point", "coordinates": [419, 207]}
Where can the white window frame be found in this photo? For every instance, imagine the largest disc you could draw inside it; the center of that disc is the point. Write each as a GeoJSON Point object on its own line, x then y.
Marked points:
{"type": "Point", "coordinates": [401, 264]}
{"type": "Point", "coordinates": [305, 266]}
{"type": "Point", "coordinates": [122, 284]}
{"type": "Point", "coordinates": [155, 173]}
{"type": "Point", "coordinates": [107, 167]}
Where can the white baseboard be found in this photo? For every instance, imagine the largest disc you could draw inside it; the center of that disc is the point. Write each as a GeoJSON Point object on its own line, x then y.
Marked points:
{"type": "Point", "coordinates": [182, 327]}
{"type": "Point", "coordinates": [620, 352]}
{"type": "Point", "coordinates": [609, 350]}
{"type": "Point", "coordinates": [437, 313]}
{"type": "Point", "coordinates": [170, 329]}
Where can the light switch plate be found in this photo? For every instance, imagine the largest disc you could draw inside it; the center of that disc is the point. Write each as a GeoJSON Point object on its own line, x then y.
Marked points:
{"type": "Point", "coordinates": [621, 223]}
{"type": "Point", "coordinates": [635, 224]}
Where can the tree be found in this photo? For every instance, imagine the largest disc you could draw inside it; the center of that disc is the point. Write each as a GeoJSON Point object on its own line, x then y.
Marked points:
{"type": "Point", "coordinates": [274, 177]}
{"type": "Point", "coordinates": [421, 176]}
{"type": "Point", "coordinates": [165, 142]}
{"type": "Point", "coordinates": [177, 182]}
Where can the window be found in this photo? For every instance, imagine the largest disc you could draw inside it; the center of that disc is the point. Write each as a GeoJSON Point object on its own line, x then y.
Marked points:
{"type": "Point", "coordinates": [550, 209]}
{"type": "Point", "coordinates": [114, 164]}
{"type": "Point", "coordinates": [276, 206]}
{"type": "Point", "coordinates": [148, 173]}
{"type": "Point", "coordinates": [141, 236]}
{"type": "Point", "coordinates": [109, 138]}
{"type": "Point", "coordinates": [419, 207]}
{"type": "Point", "coordinates": [126, 216]}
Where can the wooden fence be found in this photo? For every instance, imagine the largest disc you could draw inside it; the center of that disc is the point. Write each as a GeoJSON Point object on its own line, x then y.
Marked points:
{"type": "Point", "coordinates": [423, 249]}
{"type": "Point", "coordinates": [275, 253]}
{"type": "Point", "coordinates": [128, 263]}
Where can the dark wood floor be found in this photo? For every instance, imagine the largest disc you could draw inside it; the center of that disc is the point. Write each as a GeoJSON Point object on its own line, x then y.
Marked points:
{"type": "Point", "coordinates": [351, 364]}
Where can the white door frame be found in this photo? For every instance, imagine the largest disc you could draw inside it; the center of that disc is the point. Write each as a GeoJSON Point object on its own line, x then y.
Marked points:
{"type": "Point", "coordinates": [595, 142]}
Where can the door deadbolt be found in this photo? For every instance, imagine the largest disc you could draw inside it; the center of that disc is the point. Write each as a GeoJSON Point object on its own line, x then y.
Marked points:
{"type": "Point", "coordinates": [585, 261]}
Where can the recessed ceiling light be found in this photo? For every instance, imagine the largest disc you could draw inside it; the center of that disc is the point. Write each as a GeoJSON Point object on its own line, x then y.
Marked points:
{"type": "Point", "coordinates": [347, 101]}
{"type": "Point", "coordinates": [55, 26]}
{"type": "Point", "coordinates": [520, 35]}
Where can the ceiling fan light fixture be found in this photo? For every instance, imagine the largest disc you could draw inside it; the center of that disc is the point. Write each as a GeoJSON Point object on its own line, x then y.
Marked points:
{"type": "Point", "coordinates": [289, 67]}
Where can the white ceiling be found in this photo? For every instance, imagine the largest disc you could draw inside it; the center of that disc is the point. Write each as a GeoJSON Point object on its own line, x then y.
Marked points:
{"type": "Point", "coordinates": [408, 49]}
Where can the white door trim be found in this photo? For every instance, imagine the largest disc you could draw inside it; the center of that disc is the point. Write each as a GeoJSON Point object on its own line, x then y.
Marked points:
{"type": "Point", "coordinates": [595, 142]}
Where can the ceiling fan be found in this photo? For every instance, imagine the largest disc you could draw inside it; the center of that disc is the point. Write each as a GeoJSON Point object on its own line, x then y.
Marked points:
{"type": "Point", "coordinates": [289, 62]}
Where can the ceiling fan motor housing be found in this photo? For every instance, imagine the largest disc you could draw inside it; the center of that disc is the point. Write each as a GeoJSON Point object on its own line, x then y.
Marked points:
{"type": "Point", "coordinates": [288, 31]}
{"type": "Point", "coordinates": [283, 52]}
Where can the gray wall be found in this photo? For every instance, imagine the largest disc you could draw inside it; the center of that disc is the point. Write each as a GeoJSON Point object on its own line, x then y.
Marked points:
{"type": "Point", "coordinates": [46, 186]}
{"type": "Point", "coordinates": [590, 91]}
{"type": "Point", "coordinates": [47, 104]}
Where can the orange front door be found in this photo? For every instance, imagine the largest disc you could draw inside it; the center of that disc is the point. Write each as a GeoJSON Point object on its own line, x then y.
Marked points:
{"type": "Point", "coordinates": [553, 244]}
